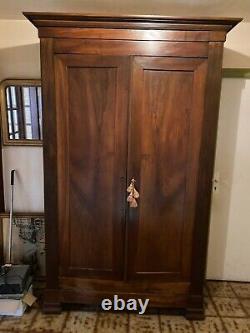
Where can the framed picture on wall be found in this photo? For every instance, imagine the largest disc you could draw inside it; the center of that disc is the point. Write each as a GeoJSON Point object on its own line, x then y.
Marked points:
{"type": "Point", "coordinates": [28, 240]}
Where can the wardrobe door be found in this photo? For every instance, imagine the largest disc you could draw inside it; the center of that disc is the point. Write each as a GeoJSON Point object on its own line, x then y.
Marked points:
{"type": "Point", "coordinates": [92, 150]}
{"type": "Point", "coordinates": [167, 99]}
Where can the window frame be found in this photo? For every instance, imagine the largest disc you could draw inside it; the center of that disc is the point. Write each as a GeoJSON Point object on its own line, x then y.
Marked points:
{"type": "Point", "coordinates": [6, 141]}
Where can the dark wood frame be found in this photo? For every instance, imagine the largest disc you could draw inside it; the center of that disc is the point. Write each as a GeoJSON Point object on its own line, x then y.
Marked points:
{"type": "Point", "coordinates": [203, 37]}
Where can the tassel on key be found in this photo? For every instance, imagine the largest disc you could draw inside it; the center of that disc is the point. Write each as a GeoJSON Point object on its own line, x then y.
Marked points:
{"type": "Point", "coordinates": [133, 203]}
{"type": "Point", "coordinates": [133, 194]}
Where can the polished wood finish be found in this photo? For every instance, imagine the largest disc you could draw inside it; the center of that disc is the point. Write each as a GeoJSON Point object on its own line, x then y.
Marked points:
{"type": "Point", "coordinates": [50, 177]}
{"type": "Point", "coordinates": [92, 163]}
{"type": "Point", "coordinates": [126, 48]}
{"type": "Point", "coordinates": [163, 156]}
{"type": "Point", "coordinates": [129, 97]}
{"type": "Point", "coordinates": [172, 294]}
{"type": "Point", "coordinates": [205, 176]}
{"type": "Point", "coordinates": [132, 34]}
{"type": "Point", "coordinates": [132, 21]}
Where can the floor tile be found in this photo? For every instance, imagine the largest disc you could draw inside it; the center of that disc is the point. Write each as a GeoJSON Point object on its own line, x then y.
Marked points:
{"type": "Point", "coordinates": [220, 289]}
{"type": "Point", "coordinates": [237, 325]}
{"type": "Point", "coordinates": [18, 324]}
{"type": "Point", "coordinates": [80, 321]}
{"type": "Point", "coordinates": [246, 304]}
{"type": "Point", "coordinates": [228, 307]}
{"type": "Point", "coordinates": [209, 307]}
{"type": "Point", "coordinates": [49, 323]}
{"type": "Point", "coordinates": [144, 324]}
{"type": "Point", "coordinates": [175, 324]}
{"type": "Point", "coordinates": [231, 300]}
{"type": "Point", "coordinates": [209, 325]}
{"type": "Point", "coordinates": [205, 292]}
{"type": "Point", "coordinates": [241, 289]}
{"type": "Point", "coordinates": [112, 323]}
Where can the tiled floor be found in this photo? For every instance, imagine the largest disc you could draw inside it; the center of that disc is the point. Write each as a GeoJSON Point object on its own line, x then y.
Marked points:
{"type": "Point", "coordinates": [227, 311]}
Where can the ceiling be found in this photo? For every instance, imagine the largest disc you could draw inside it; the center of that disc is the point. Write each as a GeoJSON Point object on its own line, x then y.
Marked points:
{"type": "Point", "coordinates": [12, 9]}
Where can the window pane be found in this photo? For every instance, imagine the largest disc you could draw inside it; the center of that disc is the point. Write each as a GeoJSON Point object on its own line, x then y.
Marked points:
{"type": "Point", "coordinates": [26, 96]}
{"type": "Point", "coordinates": [28, 132]}
{"type": "Point", "coordinates": [14, 112]}
{"type": "Point", "coordinates": [13, 96]}
{"type": "Point", "coordinates": [39, 96]}
{"type": "Point", "coordinates": [10, 132]}
{"type": "Point", "coordinates": [7, 97]}
{"type": "Point", "coordinates": [9, 118]}
{"type": "Point", "coordinates": [27, 115]}
{"type": "Point", "coordinates": [16, 127]}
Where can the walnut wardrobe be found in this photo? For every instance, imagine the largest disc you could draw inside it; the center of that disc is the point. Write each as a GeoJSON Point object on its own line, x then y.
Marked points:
{"type": "Point", "coordinates": [129, 97]}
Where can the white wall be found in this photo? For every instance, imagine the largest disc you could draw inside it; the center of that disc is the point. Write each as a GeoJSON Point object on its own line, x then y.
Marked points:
{"type": "Point", "coordinates": [236, 265]}
{"type": "Point", "coordinates": [12, 9]}
{"type": "Point", "coordinates": [237, 47]}
{"type": "Point", "coordinates": [20, 58]}
{"type": "Point", "coordinates": [229, 246]}
{"type": "Point", "coordinates": [229, 249]}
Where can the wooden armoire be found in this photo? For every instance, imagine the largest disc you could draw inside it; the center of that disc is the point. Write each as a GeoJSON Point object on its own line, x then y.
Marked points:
{"type": "Point", "coordinates": [129, 97]}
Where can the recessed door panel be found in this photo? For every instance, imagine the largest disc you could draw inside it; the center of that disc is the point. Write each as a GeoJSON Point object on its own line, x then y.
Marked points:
{"type": "Point", "coordinates": [92, 140]}
{"type": "Point", "coordinates": [165, 125]}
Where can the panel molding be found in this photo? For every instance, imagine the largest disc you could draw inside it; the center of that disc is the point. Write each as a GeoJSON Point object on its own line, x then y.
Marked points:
{"type": "Point", "coordinates": [131, 21]}
{"type": "Point", "coordinates": [197, 69]}
{"type": "Point", "coordinates": [130, 47]}
{"type": "Point", "coordinates": [84, 179]}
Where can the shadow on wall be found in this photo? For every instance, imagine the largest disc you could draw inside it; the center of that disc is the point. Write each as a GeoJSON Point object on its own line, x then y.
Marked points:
{"type": "Point", "coordinates": [235, 59]}
{"type": "Point", "coordinates": [20, 62]}
{"type": "Point", "coordinates": [224, 164]}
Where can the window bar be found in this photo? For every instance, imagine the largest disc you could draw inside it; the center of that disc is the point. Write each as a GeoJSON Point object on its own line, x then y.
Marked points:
{"type": "Point", "coordinates": [20, 112]}
{"type": "Point", "coordinates": [39, 108]}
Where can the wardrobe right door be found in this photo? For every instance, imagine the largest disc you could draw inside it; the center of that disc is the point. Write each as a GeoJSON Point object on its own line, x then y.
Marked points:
{"type": "Point", "coordinates": [166, 113]}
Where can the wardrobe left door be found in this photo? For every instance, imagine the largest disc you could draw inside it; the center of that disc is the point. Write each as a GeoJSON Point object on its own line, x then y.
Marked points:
{"type": "Point", "coordinates": [92, 105]}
